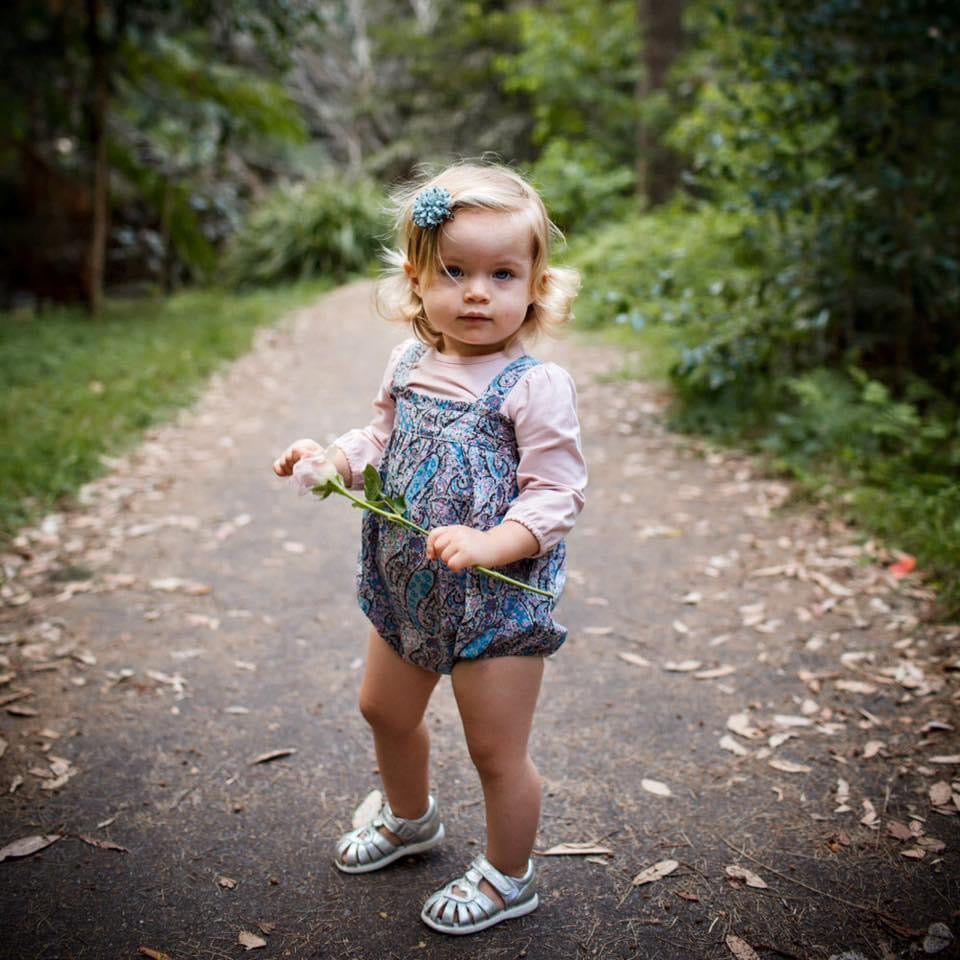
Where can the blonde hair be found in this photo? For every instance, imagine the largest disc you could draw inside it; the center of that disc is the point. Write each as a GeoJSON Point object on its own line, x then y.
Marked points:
{"type": "Point", "coordinates": [474, 186]}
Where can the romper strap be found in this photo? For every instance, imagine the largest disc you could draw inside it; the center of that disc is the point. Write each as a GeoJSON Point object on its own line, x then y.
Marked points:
{"type": "Point", "coordinates": [409, 359]}
{"type": "Point", "coordinates": [505, 381]}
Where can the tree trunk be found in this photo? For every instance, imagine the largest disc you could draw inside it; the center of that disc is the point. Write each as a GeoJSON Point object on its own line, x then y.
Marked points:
{"type": "Point", "coordinates": [98, 105]}
{"type": "Point", "coordinates": [662, 24]}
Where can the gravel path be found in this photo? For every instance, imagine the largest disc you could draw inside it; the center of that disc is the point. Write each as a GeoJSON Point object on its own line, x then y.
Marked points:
{"type": "Point", "coordinates": [748, 698]}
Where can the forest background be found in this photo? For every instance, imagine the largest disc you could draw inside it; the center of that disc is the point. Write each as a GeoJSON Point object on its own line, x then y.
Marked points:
{"type": "Point", "coordinates": [762, 196]}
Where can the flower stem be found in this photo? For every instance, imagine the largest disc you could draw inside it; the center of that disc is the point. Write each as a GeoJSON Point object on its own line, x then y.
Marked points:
{"type": "Point", "coordinates": [336, 486]}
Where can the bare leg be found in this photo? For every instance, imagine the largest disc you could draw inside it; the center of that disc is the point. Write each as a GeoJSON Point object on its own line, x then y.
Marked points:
{"type": "Point", "coordinates": [393, 698]}
{"type": "Point", "coordinates": [497, 698]}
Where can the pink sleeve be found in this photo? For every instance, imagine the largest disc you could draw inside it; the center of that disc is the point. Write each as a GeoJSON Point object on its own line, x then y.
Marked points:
{"type": "Point", "coordinates": [366, 446]}
{"type": "Point", "coordinates": [551, 474]}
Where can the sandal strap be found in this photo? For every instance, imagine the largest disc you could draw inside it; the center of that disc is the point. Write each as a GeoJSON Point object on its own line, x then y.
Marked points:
{"type": "Point", "coordinates": [505, 886]}
{"type": "Point", "coordinates": [403, 828]}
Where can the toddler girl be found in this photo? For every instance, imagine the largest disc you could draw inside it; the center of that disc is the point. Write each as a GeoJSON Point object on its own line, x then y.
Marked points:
{"type": "Point", "coordinates": [482, 442]}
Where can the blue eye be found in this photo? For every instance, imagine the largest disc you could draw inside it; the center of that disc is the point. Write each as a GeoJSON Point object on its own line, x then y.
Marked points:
{"type": "Point", "coordinates": [454, 272]}
{"type": "Point", "coordinates": [503, 274]}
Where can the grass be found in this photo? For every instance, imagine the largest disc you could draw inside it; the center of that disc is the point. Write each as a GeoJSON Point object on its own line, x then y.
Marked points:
{"type": "Point", "coordinates": [76, 388]}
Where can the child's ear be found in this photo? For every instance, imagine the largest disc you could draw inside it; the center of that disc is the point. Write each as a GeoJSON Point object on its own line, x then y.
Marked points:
{"type": "Point", "coordinates": [412, 277]}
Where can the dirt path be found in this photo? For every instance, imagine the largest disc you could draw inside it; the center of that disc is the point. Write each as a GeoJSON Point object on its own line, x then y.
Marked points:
{"type": "Point", "coordinates": [752, 661]}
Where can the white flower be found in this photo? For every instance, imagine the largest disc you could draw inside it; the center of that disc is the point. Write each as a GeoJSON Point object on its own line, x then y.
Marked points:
{"type": "Point", "coordinates": [315, 471]}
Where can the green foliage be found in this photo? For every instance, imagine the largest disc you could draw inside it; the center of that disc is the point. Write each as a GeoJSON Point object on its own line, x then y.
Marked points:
{"type": "Point", "coordinates": [76, 389]}
{"type": "Point", "coordinates": [581, 188]}
{"type": "Point", "coordinates": [578, 66]}
{"type": "Point", "coordinates": [331, 227]}
{"type": "Point", "coordinates": [831, 124]}
{"type": "Point", "coordinates": [681, 289]}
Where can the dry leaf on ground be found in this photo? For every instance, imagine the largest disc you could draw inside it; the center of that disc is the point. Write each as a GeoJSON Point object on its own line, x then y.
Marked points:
{"type": "Point", "coordinates": [633, 658]}
{"type": "Point", "coordinates": [940, 794]}
{"type": "Point", "coordinates": [26, 846]}
{"type": "Point", "coordinates": [153, 954]}
{"type": "Point", "coordinates": [788, 766]}
{"type": "Point", "coordinates": [228, 883]}
{"type": "Point", "coordinates": [714, 673]}
{"type": "Point", "coordinates": [747, 876]}
{"type": "Point", "coordinates": [734, 746]}
{"type": "Point", "coordinates": [368, 809]}
{"type": "Point", "coordinates": [740, 724]}
{"type": "Point", "coordinates": [656, 787]}
{"type": "Point", "coordinates": [682, 666]}
{"type": "Point", "coordinates": [250, 940]}
{"type": "Point", "coordinates": [577, 848]}
{"type": "Point", "coordinates": [740, 948]}
{"type": "Point", "coordinates": [102, 844]}
{"type": "Point", "coordinates": [272, 755]}
{"type": "Point", "coordinates": [899, 830]}
{"type": "Point", "coordinates": [656, 872]}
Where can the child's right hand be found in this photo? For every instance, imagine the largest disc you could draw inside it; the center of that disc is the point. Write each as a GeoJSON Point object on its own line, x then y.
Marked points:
{"type": "Point", "coordinates": [283, 465]}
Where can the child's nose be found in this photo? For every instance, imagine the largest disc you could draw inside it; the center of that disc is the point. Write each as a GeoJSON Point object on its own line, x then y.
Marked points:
{"type": "Point", "coordinates": [476, 289]}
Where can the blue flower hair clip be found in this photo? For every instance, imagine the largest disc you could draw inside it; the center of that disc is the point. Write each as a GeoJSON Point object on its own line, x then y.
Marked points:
{"type": "Point", "coordinates": [432, 207]}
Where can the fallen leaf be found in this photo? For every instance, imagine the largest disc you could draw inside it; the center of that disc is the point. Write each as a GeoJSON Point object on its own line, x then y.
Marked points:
{"type": "Point", "coordinates": [788, 766]}
{"type": "Point", "coordinates": [682, 666]}
{"type": "Point", "coordinates": [855, 686]}
{"type": "Point", "coordinates": [940, 794]}
{"type": "Point", "coordinates": [597, 631]}
{"type": "Point", "coordinates": [740, 724]}
{"type": "Point", "coordinates": [952, 758]}
{"type": "Point", "coordinates": [687, 895]}
{"type": "Point", "coordinates": [931, 844]}
{"type": "Point", "coordinates": [272, 755]}
{"type": "Point", "coordinates": [869, 818]}
{"type": "Point", "coordinates": [26, 846]}
{"type": "Point", "coordinates": [938, 938]}
{"type": "Point", "coordinates": [633, 658]}
{"type": "Point", "coordinates": [154, 954]}
{"type": "Point", "coordinates": [20, 710]}
{"type": "Point", "coordinates": [250, 940]}
{"type": "Point", "coordinates": [3, 747]}
{"type": "Point", "coordinates": [656, 872]}
{"type": "Point", "coordinates": [872, 748]}
{"type": "Point", "coordinates": [656, 787]}
{"type": "Point", "coordinates": [904, 566]}
{"type": "Point", "coordinates": [577, 848]}
{"type": "Point", "coordinates": [913, 853]}
{"type": "Point", "coordinates": [898, 830]}
{"type": "Point", "coordinates": [740, 948]}
{"type": "Point", "coordinates": [228, 883]}
{"type": "Point", "coordinates": [734, 746]}
{"type": "Point", "coordinates": [715, 672]}
{"type": "Point", "coordinates": [747, 876]}
{"type": "Point", "coordinates": [680, 627]}
{"type": "Point", "coordinates": [368, 809]}
{"type": "Point", "coordinates": [786, 720]}
{"type": "Point", "coordinates": [102, 844]}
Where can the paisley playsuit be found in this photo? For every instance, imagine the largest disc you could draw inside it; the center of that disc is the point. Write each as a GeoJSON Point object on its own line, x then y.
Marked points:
{"type": "Point", "coordinates": [454, 462]}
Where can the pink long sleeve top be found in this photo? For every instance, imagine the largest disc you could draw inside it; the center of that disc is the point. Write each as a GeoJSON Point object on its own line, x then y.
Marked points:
{"type": "Point", "coordinates": [551, 474]}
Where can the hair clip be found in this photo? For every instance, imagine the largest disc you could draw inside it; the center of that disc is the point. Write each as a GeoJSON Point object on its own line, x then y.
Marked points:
{"type": "Point", "coordinates": [432, 207]}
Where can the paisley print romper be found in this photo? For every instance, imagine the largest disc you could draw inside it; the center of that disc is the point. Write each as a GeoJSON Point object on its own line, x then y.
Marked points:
{"type": "Point", "coordinates": [454, 462]}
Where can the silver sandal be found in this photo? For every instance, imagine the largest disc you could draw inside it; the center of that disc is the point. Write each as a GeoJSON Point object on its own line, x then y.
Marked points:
{"type": "Point", "coordinates": [366, 848]}
{"type": "Point", "coordinates": [450, 912]}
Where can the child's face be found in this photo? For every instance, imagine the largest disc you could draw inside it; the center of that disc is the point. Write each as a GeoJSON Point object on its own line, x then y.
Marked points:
{"type": "Point", "coordinates": [482, 298]}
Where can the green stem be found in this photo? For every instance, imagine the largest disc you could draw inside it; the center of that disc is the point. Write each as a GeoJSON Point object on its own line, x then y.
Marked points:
{"type": "Point", "coordinates": [338, 487]}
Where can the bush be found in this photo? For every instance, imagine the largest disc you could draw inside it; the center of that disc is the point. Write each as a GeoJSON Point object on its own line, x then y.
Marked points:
{"type": "Point", "coordinates": [332, 227]}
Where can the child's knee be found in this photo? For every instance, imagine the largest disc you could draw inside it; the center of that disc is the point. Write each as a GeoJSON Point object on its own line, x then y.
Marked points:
{"type": "Point", "coordinates": [384, 718]}
{"type": "Point", "coordinates": [494, 759]}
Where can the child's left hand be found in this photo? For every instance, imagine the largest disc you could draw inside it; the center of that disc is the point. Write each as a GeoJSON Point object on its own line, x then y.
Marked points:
{"type": "Point", "coordinates": [461, 547]}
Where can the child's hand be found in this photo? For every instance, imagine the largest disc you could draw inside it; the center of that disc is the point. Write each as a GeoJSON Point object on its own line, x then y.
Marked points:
{"type": "Point", "coordinates": [283, 465]}
{"type": "Point", "coordinates": [461, 547]}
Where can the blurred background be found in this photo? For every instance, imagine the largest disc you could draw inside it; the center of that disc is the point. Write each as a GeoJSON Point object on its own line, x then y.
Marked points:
{"type": "Point", "coordinates": [762, 195]}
